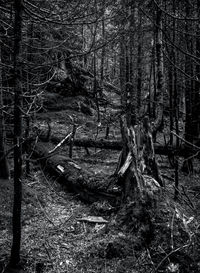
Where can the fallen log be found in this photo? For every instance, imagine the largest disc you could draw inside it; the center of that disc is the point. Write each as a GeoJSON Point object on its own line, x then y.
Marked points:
{"type": "Point", "coordinates": [101, 143]}
{"type": "Point", "coordinates": [90, 188]}
{"type": "Point", "coordinates": [117, 145]}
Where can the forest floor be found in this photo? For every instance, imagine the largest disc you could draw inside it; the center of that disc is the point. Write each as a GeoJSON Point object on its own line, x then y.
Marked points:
{"type": "Point", "coordinates": [57, 236]}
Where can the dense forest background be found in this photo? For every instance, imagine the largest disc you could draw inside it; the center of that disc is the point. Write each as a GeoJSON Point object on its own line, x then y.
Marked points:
{"type": "Point", "coordinates": [102, 96]}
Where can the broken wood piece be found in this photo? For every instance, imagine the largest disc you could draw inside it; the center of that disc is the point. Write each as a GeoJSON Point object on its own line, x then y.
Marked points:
{"type": "Point", "coordinates": [75, 165]}
{"type": "Point", "coordinates": [60, 143]}
{"type": "Point", "coordinates": [64, 139]}
{"type": "Point", "coordinates": [125, 165]}
{"type": "Point", "coordinates": [93, 219]}
{"type": "Point", "coordinates": [61, 168]}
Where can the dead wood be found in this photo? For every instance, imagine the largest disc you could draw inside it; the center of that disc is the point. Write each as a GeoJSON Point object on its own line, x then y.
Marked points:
{"type": "Point", "coordinates": [138, 174]}
{"type": "Point", "coordinates": [69, 173]}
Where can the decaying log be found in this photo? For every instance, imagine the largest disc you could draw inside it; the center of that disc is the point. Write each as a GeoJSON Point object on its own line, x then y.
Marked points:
{"type": "Point", "coordinates": [117, 145]}
{"type": "Point", "coordinates": [100, 143]}
{"type": "Point", "coordinates": [69, 173]}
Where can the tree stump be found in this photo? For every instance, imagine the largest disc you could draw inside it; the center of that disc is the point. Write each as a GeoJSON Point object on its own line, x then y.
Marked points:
{"type": "Point", "coordinates": [137, 171]}
{"type": "Point", "coordinates": [139, 177]}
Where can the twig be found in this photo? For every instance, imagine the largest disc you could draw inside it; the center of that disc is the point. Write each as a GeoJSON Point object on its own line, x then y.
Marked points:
{"type": "Point", "coordinates": [60, 143]}
{"type": "Point", "coordinates": [187, 142]}
{"type": "Point", "coordinates": [47, 250]}
{"type": "Point", "coordinates": [149, 255]}
{"type": "Point", "coordinates": [192, 156]}
{"type": "Point", "coordinates": [186, 201]}
{"type": "Point", "coordinates": [168, 255]}
{"type": "Point", "coordinates": [65, 221]}
{"type": "Point", "coordinates": [30, 155]}
{"type": "Point", "coordinates": [167, 177]}
{"type": "Point", "coordinates": [43, 210]}
{"type": "Point", "coordinates": [172, 228]}
{"type": "Point", "coordinates": [187, 196]}
{"type": "Point", "coordinates": [49, 184]}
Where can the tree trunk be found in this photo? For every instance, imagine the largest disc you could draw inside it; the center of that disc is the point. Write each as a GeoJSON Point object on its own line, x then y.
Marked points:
{"type": "Point", "coordinates": [176, 103]}
{"type": "Point", "coordinates": [190, 100]}
{"type": "Point", "coordinates": [15, 252]}
{"type": "Point", "coordinates": [139, 65]}
{"type": "Point", "coordinates": [160, 72]}
{"type": "Point", "coordinates": [103, 51]}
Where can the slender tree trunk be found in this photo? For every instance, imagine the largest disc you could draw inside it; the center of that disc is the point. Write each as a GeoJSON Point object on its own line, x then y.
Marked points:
{"type": "Point", "coordinates": [154, 80]}
{"type": "Point", "coordinates": [150, 91]}
{"type": "Point", "coordinates": [175, 106]}
{"type": "Point", "coordinates": [188, 85]}
{"type": "Point", "coordinates": [122, 73]}
{"type": "Point", "coordinates": [196, 97]}
{"type": "Point", "coordinates": [189, 89]}
{"type": "Point", "coordinates": [103, 51]}
{"type": "Point", "coordinates": [160, 72]}
{"type": "Point", "coordinates": [171, 99]}
{"type": "Point", "coordinates": [27, 135]}
{"type": "Point", "coordinates": [15, 252]}
{"type": "Point", "coordinates": [95, 87]}
{"type": "Point", "coordinates": [139, 64]}
{"type": "Point", "coordinates": [132, 94]}
{"type": "Point", "coordinates": [4, 169]}
{"type": "Point", "coordinates": [122, 62]}
{"type": "Point", "coordinates": [28, 79]}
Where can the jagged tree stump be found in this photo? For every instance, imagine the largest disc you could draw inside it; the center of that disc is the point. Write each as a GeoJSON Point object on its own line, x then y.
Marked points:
{"type": "Point", "coordinates": [139, 177]}
{"type": "Point", "coordinates": [137, 170]}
